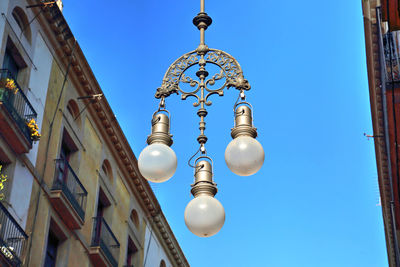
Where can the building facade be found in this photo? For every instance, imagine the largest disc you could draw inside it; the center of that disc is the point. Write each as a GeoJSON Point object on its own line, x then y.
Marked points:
{"type": "Point", "coordinates": [73, 195]}
{"type": "Point", "coordinates": [382, 41]}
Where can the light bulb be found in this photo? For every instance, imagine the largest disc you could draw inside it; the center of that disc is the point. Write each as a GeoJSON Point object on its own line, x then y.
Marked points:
{"type": "Point", "coordinates": [204, 216]}
{"type": "Point", "coordinates": [157, 162]}
{"type": "Point", "coordinates": [244, 155]}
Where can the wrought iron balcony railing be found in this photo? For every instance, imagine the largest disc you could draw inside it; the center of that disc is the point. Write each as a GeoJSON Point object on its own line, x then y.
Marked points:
{"type": "Point", "coordinates": [391, 44]}
{"type": "Point", "coordinates": [12, 238]}
{"type": "Point", "coordinates": [106, 240]}
{"type": "Point", "coordinates": [68, 182]}
{"type": "Point", "coordinates": [16, 102]}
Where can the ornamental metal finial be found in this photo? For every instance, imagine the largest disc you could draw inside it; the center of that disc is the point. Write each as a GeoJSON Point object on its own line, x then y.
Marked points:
{"type": "Point", "coordinates": [202, 21]}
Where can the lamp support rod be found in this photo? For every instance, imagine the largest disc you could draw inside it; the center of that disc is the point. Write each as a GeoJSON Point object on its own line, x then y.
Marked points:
{"type": "Point", "coordinates": [202, 30]}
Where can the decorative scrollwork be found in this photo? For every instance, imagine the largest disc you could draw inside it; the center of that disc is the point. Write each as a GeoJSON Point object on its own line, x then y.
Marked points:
{"type": "Point", "coordinates": [186, 79]}
{"type": "Point", "coordinates": [226, 62]}
{"type": "Point", "coordinates": [216, 77]}
{"type": "Point", "coordinates": [189, 80]}
{"type": "Point", "coordinates": [230, 70]}
{"type": "Point", "coordinates": [186, 95]}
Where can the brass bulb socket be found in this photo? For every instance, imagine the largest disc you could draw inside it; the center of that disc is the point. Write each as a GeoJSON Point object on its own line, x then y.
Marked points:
{"type": "Point", "coordinates": [203, 183]}
{"type": "Point", "coordinates": [160, 130]}
{"type": "Point", "coordinates": [243, 123]}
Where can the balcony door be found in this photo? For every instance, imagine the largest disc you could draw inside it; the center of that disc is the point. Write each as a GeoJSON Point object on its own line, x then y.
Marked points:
{"type": "Point", "coordinates": [102, 207]}
{"type": "Point", "coordinates": [65, 154]}
{"type": "Point", "coordinates": [131, 253]}
{"type": "Point", "coordinates": [51, 250]}
{"type": "Point", "coordinates": [10, 64]}
{"type": "Point", "coordinates": [68, 148]}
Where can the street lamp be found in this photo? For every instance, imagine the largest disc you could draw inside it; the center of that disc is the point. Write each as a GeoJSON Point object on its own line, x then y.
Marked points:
{"type": "Point", "coordinates": [204, 215]}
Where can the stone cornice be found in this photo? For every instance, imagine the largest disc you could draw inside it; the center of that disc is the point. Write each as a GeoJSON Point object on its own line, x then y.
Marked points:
{"type": "Point", "coordinates": [55, 26]}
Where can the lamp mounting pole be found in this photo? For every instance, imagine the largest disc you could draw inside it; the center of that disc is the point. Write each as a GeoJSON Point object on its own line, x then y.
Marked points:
{"type": "Point", "coordinates": [202, 21]}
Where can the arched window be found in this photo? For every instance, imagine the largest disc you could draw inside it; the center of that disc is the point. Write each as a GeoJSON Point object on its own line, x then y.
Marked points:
{"type": "Point", "coordinates": [23, 22]}
{"type": "Point", "coordinates": [134, 218]}
{"type": "Point", "coordinates": [73, 108]}
{"type": "Point", "coordinates": [162, 264]}
{"type": "Point", "coordinates": [106, 167]}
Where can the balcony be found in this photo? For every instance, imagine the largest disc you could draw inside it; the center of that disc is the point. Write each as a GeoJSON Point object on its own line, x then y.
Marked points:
{"type": "Point", "coordinates": [68, 196]}
{"type": "Point", "coordinates": [104, 250]}
{"type": "Point", "coordinates": [15, 112]}
{"type": "Point", "coordinates": [12, 239]}
{"type": "Point", "coordinates": [391, 44]}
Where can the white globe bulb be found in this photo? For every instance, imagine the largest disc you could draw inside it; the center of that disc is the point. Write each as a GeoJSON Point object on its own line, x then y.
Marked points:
{"type": "Point", "coordinates": [244, 155]}
{"type": "Point", "coordinates": [157, 162]}
{"type": "Point", "coordinates": [204, 216]}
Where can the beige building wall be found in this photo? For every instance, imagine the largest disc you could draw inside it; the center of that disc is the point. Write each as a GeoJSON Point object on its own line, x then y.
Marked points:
{"type": "Point", "coordinates": [101, 159]}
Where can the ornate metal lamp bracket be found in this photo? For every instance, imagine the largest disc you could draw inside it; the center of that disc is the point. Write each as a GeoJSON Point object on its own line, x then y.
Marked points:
{"type": "Point", "coordinates": [230, 70]}
{"type": "Point", "coordinates": [230, 73]}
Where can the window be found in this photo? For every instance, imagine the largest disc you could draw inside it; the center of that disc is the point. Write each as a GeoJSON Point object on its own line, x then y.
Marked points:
{"type": "Point", "coordinates": [51, 250]}
{"type": "Point", "coordinates": [102, 208]}
{"type": "Point", "coordinates": [130, 256]}
{"type": "Point", "coordinates": [10, 64]}
{"type": "Point", "coordinates": [62, 167]}
{"type": "Point", "coordinates": [73, 108]}
{"type": "Point", "coordinates": [102, 204]}
{"type": "Point", "coordinates": [106, 167]}
{"type": "Point", "coordinates": [134, 218]}
{"type": "Point", "coordinates": [54, 241]}
{"type": "Point", "coordinates": [14, 62]}
{"type": "Point", "coordinates": [67, 149]}
{"type": "Point", "coordinates": [162, 264]}
{"type": "Point", "coordinates": [22, 21]}
{"type": "Point", "coordinates": [17, 19]}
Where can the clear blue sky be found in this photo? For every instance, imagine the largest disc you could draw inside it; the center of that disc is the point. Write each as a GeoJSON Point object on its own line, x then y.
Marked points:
{"type": "Point", "coordinates": [314, 202]}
